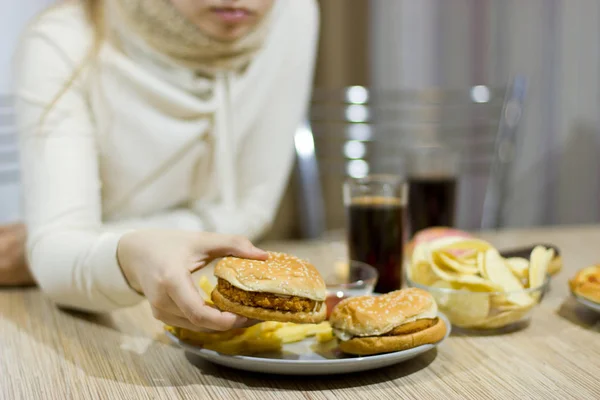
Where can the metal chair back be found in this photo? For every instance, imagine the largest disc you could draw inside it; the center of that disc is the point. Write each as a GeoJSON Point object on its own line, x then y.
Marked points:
{"type": "Point", "coordinates": [357, 131]}
{"type": "Point", "coordinates": [9, 162]}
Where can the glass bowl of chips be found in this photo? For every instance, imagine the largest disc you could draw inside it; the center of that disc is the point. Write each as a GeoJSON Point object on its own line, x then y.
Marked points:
{"type": "Point", "coordinates": [484, 310]}
{"type": "Point", "coordinates": [475, 286]}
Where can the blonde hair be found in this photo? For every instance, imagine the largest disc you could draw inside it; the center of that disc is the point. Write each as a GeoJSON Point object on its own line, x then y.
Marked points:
{"type": "Point", "coordinates": [94, 12]}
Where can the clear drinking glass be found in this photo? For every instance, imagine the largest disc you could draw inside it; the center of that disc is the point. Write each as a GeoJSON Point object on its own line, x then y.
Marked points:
{"type": "Point", "coordinates": [375, 209]}
{"type": "Point", "coordinates": [349, 279]}
{"type": "Point", "coordinates": [433, 179]}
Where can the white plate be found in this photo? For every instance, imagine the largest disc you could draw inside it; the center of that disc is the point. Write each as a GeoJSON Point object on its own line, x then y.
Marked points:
{"type": "Point", "coordinates": [589, 304]}
{"type": "Point", "coordinates": [303, 358]}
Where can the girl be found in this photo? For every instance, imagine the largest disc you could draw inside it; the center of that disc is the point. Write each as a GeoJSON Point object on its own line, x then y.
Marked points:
{"type": "Point", "coordinates": [144, 122]}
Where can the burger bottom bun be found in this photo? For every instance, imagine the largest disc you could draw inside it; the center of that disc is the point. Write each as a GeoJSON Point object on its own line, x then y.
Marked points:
{"type": "Point", "coordinates": [363, 346]}
{"type": "Point", "coordinates": [264, 314]}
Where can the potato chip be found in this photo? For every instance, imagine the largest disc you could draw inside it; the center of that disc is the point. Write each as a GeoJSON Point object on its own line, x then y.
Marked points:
{"type": "Point", "coordinates": [442, 242]}
{"type": "Point", "coordinates": [498, 285]}
{"type": "Point", "coordinates": [495, 270]}
{"type": "Point", "coordinates": [503, 319]}
{"type": "Point", "coordinates": [469, 282]}
{"type": "Point", "coordinates": [468, 244]}
{"type": "Point", "coordinates": [422, 273]}
{"type": "Point", "coordinates": [443, 285]}
{"type": "Point", "coordinates": [441, 297]}
{"type": "Point", "coordinates": [519, 267]}
{"type": "Point", "coordinates": [419, 254]}
{"type": "Point", "coordinates": [512, 307]}
{"type": "Point", "coordinates": [501, 302]}
{"type": "Point", "coordinates": [470, 258]}
{"type": "Point", "coordinates": [453, 262]}
{"type": "Point", "coordinates": [536, 296]}
{"type": "Point", "coordinates": [478, 285]}
{"type": "Point", "coordinates": [540, 260]}
{"type": "Point", "coordinates": [481, 263]}
{"type": "Point", "coordinates": [467, 310]}
{"type": "Point", "coordinates": [422, 251]}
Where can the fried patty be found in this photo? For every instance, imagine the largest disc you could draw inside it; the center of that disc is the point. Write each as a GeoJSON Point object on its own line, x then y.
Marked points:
{"type": "Point", "coordinates": [412, 327]}
{"type": "Point", "coordinates": [265, 300]}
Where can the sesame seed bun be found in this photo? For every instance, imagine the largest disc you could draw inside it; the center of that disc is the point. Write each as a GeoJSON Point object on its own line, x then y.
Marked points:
{"type": "Point", "coordinates": [378, 315]}
{"type": "Point", "coordinates": [281, 274]}
{"type": "Point", "coordinates": [385, 344]}
{"type": "Point", "coordinates": [264, 314]}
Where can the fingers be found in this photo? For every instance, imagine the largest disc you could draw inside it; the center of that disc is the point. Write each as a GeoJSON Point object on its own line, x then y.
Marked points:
{"type": "Point", "coordinates": [216, 245]}
{"type": "Point", "coordinates": [179, 322]}
{"type": "Point", "coordinates": [15, 228]}
{"type": "Point", "coordinates": [164, 305]}
{"type": "Point", "coordinates": [170, 309]}
{"type": "Point", "coordinates": [190, 302]}
{"type": "Point", "coordinates": [251, 322]}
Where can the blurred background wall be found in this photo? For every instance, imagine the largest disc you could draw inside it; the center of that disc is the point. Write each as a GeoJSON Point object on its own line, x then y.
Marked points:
{"type": "Point", "coordinates": [455, 44]}
{"type": "Point", "coordinates": [555, 43]}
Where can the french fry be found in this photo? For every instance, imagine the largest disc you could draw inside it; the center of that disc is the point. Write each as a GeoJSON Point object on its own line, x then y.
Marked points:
{"type": "Point", "coordinates": [206, 287]}
{"type": "Point", "coordinates": [205, 337]}
{"type": "Point", "coordinates": [264, 337]}
{"type": "Point", "coordinates": [173, 330]}
{"type": "Point", "coordinates": [247, 346]}
{"type": "Point", "coordinates": [291, 334]}
{"type": "Point", "coordinates": [323, 337]}
{"type": "Point", "coordinates": [315, 329]}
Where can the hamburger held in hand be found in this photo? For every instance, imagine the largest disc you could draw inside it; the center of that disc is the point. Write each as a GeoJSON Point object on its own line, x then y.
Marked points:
{"type": "Point", "coordinates": [283, 288]}
{"type": "Point", "coordinates": [395, 321]}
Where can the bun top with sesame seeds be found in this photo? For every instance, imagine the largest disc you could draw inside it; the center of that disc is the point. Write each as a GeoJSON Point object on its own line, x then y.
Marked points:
{"type": "Point", "coordinates": [378, 315]}
{"type": "Point", "coordinates": [280, 274]}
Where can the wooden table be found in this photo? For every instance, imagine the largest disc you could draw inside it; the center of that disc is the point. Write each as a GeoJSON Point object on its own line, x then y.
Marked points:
{"type": "Point", "coordinates": [46, 353]}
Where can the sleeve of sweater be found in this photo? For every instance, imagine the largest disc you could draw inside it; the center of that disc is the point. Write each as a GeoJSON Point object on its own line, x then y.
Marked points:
{"type": "Point", "coordinates": [72, 256]}
{"type": "Point", "coordinates": [71, 251]}
{"type": "Point", "coordinates": [265, 162]}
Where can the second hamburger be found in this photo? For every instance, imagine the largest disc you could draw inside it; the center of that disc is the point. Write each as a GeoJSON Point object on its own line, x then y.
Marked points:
{"type": "Point", "coordinates": [283, 288]}
{"type": "Point", "coordinates": [390, 322]}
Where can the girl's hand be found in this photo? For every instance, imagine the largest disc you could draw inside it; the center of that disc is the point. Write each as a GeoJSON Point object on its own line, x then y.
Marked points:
{"type": "Point", "coordinates": [14, 269]}
{"type": "Point", "coordinates": [159, 264]}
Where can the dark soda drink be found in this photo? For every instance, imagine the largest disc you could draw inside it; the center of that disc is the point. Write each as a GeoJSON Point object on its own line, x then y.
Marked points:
{"type": "Point", "coordinates": [375, 237]}
{"type": "Point", "coordinates": [431, 202]}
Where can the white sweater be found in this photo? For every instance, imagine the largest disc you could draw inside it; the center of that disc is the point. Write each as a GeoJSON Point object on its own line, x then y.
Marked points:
{"type": "Point", "coordinates": [133, 143]}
